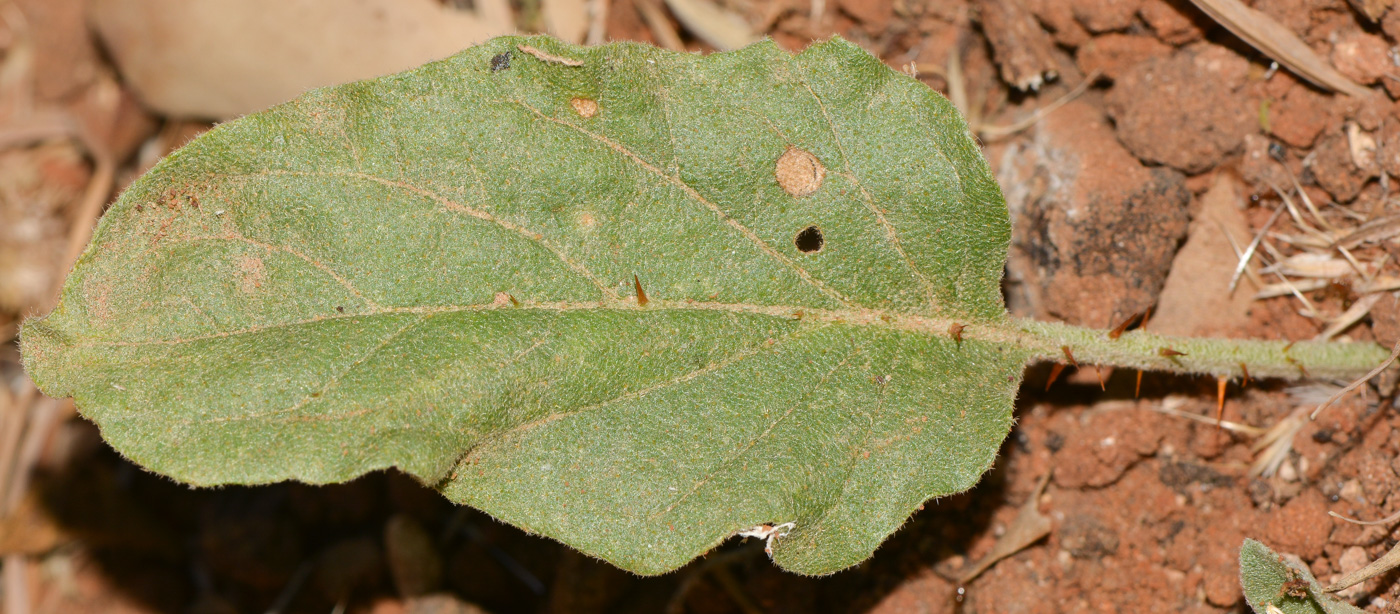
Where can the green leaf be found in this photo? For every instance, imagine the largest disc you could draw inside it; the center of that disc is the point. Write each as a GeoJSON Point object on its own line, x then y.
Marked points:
{"type": "Point", "coordinates": [1286, 584]}
{"type": "Point", "coordinates": [440, 271]}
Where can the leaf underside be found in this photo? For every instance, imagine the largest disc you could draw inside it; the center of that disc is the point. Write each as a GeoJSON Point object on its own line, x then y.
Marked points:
{"type": "Point", "coordinates": [434, 271]}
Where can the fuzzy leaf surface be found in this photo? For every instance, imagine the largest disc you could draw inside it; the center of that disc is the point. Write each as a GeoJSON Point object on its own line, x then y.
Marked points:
{"type": "Point", "coordinates": [437, 271]}
{"type": "Point", "coordinates": [1269, 579]}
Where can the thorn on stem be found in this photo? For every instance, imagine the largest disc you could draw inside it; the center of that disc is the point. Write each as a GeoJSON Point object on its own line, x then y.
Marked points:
{"type": "Point", "coordinates": [1298, 365]}
{"type": "Point", "coordinates": [1055, 371]}
{"type": "Point", "coordinates": [1220, 383]}
{"type": "Point", "coordinates": [1069, 356]}
{"type": "Point", "coordinates": [1245, 371]}
{"type": "Point", "coordinates": [1128, 323]}
{"type": "Point", "coordinates": [1099, 371]}
{"type": "Point", "coordinates": [1169, 353]}
{"type": "Point", "coordinates": [956, 331]}
{"type": "Point", "coordinates": [512, 300]}
{"type": "Point", "coordinates": [641, 294]}
{"type": "Point", "coordinates": [1137, 388]}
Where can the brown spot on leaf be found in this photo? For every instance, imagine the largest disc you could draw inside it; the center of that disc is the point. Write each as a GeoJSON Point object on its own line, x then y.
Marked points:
{"type": "Point", "coordinates": [585, 107]}
{"type": "Point", "coordinates": [251, 273]}
{"type": "Point", "coordinates": [799, 172]}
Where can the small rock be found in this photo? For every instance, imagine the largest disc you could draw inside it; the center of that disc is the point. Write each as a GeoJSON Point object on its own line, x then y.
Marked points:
{"type": "Point", "coordinates": [1300, 116]}
{"type": "Point", "coordinates": [1364, 58]}
{"type": "Point", "coordinates": [1059, 17]}
{"type": "Point", "coordinates": [441, 603]}
{"type": "Point", "coordinates": [1175, 22]}
{"type": "Point", "coordinates": [1372, 10]}
{"type": "Point", "coordinates": [1334, 168]}
{"type": "Point", "coordinates": [1258, 167]}
{"type": "Point", "coordinates": [1352, 559]}
{"type": "Point", "coordinates": [1351, 491]}
{"type": "Point", "coordinates": [1105, 15]}
{"type": "Point", "coordinates": [1188, 111]}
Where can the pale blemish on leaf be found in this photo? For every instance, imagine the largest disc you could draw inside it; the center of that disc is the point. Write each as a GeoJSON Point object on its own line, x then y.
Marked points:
{"type": "Point", "coordinates": [251, 274]}
{"type": "Point", "coordinates": [585, 107]}
{"type": "Point", "coordinates": [799, 172]}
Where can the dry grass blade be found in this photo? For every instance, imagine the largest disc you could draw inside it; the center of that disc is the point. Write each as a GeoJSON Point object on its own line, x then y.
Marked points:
{"type": "Point", "coordinates": [1274, 40]}
{"type": "Point", "coordinates": [1028, 527]}
{"type": "Point", "coordinates": [1315, 266]}
{"type": "Point", "coordinates": [597, 22]}
{"type": "Point", "coordinates": [660, 26]}
{"type": "Point", "coordinates": [716, 26]}
{"type": "Point", "coordinates": [1253, 246]}
{"type": "Point", "coordinates": [1360, 381]}
{"type": "Point", "coordinates": [1170, 406]}
{"type": "Point", "coordinates": [1378, 229]}
{"type": "Point", "coordinates": [1273, 447]}
{"type": "Point", "coordinates": [1367, 523]}
{"type": "Point", "coordinates": [1382, 283]}
{"type": "Point", "coordinates": [566, 19]}
{"type": "Point", "coordinates": [1387, 562]}
{"type": "Point", "coordinates": [1351, 316]}
{"type": "Point", "coordinates": [991, 133]}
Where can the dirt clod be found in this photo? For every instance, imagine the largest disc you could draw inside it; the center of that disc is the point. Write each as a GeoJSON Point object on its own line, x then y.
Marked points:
{"type": "Point", "coordinates": [1300, 116]}
{"type": "Point", "coordinates": [1115, 54]}
{"type": "Point", "coordinates": [1363, 57]}
{"type": "Point", "coordinates": [1186, 111]}
{"type": "Point", "coordinates": [1301, 526]}
{"type": "Point", "coordinates": [1079, 196]}
{"type": "Point", "coordinates": [1335, 169]}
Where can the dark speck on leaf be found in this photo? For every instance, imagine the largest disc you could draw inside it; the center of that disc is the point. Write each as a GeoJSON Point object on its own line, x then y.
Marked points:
{"type": "Point", "coordinates": [500, 61]}
{"type": "Point", "coordinates": [339, 309]}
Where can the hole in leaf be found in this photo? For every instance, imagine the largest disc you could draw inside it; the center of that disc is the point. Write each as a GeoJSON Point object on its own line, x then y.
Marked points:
{"type": "Point", "coordinates": [809, 240]}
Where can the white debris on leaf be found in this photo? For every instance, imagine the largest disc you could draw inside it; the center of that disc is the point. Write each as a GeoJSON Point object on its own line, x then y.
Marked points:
{"type": "Point", "coordinates": [770, 533]}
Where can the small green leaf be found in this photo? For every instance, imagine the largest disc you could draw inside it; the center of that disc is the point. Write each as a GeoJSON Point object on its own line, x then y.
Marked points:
{"type": "Point", "coordinates": [1270, 580]}
{"type": "Point", "coordinates": [439, 271]}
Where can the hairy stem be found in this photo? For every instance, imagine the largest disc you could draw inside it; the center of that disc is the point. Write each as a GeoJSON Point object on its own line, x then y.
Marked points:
{"type": "Point", "coordinates": [1228, 357]}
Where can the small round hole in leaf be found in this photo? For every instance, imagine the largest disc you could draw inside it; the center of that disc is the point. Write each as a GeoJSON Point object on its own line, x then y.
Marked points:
{"type": "Point", "coordinates": [809, 240]}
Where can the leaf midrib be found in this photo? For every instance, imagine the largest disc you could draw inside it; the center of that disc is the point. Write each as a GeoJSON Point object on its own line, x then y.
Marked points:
{"type": "Point", "coordinates": [975, 329]}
